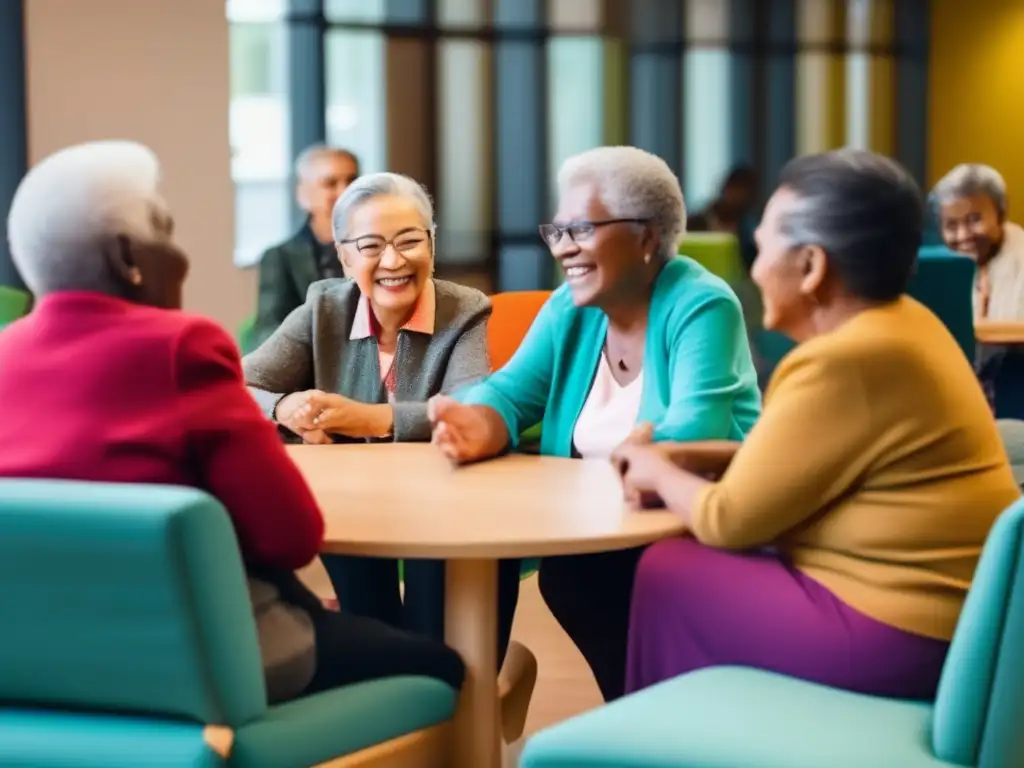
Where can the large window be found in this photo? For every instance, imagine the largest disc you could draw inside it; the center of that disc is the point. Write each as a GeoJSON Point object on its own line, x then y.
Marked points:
{"type": "Point", "coordinates": [481, 100]}
{"type": "Point", "coordinates": [258, 125]}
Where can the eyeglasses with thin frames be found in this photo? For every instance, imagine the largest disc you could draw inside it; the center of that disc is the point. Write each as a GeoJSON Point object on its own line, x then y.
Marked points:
{"type": "Point", "coordinates": [579, 231]}
{"type": "Point", "coordinates": [411, 243]}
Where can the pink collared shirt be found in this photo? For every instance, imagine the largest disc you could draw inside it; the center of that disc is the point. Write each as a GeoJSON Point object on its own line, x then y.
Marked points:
{"type": "Point", "coordinates": [365, 325]}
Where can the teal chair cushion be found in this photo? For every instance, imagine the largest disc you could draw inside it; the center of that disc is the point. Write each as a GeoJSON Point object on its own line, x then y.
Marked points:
{"type": "Point", "coordinates": [41, 739]}
{"type": "Point", "coordinates": [988, 645]}
{"type": "Point", "coordinates": [126, 598]}
{"type": "Point", "coordinates": [740, 718]}
{"type": "Point", "coordinates": [312, 730]}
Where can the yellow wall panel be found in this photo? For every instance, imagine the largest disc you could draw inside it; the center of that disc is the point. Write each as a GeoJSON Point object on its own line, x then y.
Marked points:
{"type": "Point", "coordinates": [976, 89]}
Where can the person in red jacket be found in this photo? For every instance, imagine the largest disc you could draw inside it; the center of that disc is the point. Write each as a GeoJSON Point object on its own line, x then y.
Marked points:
{"type": "Point", "coordinates": [136, 391]}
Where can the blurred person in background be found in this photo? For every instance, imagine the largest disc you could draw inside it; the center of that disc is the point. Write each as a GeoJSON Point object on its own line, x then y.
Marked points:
{"type": "Point", "coordinates": [733, 211]}
{"type": "Point", "coordinates": [971, 206]}
{"type": "Point", "coordinates": [288, 269]}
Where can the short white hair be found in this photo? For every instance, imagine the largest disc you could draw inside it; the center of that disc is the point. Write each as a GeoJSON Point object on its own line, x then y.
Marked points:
{"type": "Point", "coordinates": [73, 202]}
{"type": "Point", "coordinates": [969, 179]}
{"type": "Point", "coordinates": [366, 188]}
{"type": "Point", "coordinates": [632, 184]}
{"type": "Point", "coordinates": [311, 155]}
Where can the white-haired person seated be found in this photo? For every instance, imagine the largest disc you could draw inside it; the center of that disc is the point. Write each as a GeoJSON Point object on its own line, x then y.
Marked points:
{"type": "Point", "coordinates": [358, 362]}
{"type": "Point", "coordinates": [971, 206]}
{"type": "Point", "coordinates": [635, 337]}
{"type": "Point", "coordinates": [137, 391]}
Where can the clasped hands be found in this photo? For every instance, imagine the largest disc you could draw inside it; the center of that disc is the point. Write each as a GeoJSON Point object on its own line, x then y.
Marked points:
{"type": "Point", "coordinates": [314, 416]}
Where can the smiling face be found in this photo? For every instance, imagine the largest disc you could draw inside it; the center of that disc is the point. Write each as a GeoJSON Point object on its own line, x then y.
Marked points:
{"type": "Point", "coordinates": [972, 225]}
{"type": "Point", "coordinates": [388, 251]}
{"type": "Point", "coordinates": [603, 261]}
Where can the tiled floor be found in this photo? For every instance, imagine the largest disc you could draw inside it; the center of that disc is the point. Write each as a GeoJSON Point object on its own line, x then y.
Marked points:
{"type": "Point", "coordinates": [565, 686]}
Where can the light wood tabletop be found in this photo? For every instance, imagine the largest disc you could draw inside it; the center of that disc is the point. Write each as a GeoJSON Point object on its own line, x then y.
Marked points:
{"type": "Point", "coordinates": [406, 500]}
{"type": "Point", "coordinates": [1003, 332]}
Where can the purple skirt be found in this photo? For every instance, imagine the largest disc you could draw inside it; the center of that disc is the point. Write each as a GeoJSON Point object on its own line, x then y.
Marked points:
{"type": "Point", "coordinates": [696, 607]}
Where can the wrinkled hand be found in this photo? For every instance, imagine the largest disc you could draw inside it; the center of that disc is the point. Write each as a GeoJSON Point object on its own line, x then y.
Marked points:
{"type": "Point", "coordinates": [462, 432]}
{"type": "Point", "coordinates": [327, 412]}
{"type": "Point", "coordinates": [287, 414]}
{"type": "Point", "coordinates": [641, 467]}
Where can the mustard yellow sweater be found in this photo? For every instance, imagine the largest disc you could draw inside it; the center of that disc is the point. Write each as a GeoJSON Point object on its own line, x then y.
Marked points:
{"type": "Point", "coordinates": [876, 467]}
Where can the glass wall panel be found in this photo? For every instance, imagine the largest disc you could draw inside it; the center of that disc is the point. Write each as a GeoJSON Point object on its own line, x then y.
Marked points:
{"type": "Point", "coordinates": [707, 119]}
{"type": "Point", "coordinates": [464, 147]}
{"type": "Point", "coordinates": [357, 11]}
{"type": "Point", "coordinates": [258, 126]}
{"type": "Point", "coordinates": [354, 60]}
{"type": "Point", "coordinates": [575, 97]}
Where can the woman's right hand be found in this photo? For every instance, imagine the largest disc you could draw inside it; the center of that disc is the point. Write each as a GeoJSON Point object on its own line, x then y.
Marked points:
{"type": "Point", "coordinates": [466, 433]}
{"type": "Point", "coordinates": [288, 411]}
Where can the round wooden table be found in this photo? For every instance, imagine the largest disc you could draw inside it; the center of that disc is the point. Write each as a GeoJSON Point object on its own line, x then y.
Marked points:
{"type": "Point", "coordinates": [406, 501]}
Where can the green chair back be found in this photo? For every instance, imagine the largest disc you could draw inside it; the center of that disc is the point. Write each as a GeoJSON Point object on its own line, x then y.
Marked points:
{"type": "Point", "coordinates": [125, 598]}
{"type": "Point", "coordinates": [980, 704]}
{"type": "Point", "coordinates": [717, 252]}
{"type": "Point", "coordinates": [13, 304]}
{"type": "Point", "coordinates": [245, 340]}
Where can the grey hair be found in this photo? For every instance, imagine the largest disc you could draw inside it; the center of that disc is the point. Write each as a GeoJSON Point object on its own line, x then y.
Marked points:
{"type": "Point", "coordinates": [310, 155]}
{"type": "Point", "coordinates": [863, 210]}
{"type": "Point", "coordinates": [366, 188]}
{"type": "Point", "coordinates": [969, 179]}
{"type": "Point", "coordinates": [632, 184]}
{"type": "Point", "coordinates": [72, 203]}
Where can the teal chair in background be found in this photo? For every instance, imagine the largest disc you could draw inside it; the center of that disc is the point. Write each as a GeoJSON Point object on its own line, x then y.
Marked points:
{"type": "Point", "coordinates": [14, 303]}
{"type": "Point", "coordinates": [728, 717]}
{"type": "Point", "coordinates": [944, 282]}
{"type": "Point", "coordinates": [128, 640]}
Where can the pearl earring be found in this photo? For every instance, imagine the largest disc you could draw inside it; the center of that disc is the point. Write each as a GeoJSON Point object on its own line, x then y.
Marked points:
{"type": "Point", "coordinates": [647, 258]}
{"type": "Point", "coordinates": [136, 277]}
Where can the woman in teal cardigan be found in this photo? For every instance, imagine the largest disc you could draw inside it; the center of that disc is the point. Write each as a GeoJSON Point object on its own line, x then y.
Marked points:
{"type": "Point", "coordinates": [635, 337]}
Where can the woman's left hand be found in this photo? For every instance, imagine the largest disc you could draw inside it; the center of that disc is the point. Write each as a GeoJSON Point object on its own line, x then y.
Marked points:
{"type": "Point", "coordinates": [642, 468]}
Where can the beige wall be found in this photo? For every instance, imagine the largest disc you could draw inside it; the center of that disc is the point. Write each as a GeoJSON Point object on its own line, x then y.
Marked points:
{"type": "Point", "coordinates": [155, 71]}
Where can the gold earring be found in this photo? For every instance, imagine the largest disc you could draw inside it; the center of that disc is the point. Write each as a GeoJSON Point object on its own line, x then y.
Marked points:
{"type": "Point", "coordinates": [136, 277]}
{"type": "Point", "coordinates": [647, 258]}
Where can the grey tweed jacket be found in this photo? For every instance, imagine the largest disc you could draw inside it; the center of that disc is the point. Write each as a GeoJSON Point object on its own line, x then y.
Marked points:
{"type": "Point", "coordinates": [312, 350]}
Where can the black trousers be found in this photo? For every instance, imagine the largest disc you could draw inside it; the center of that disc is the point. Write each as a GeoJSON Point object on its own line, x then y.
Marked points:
{"type": "Point", "coordinates": [590, 596]}
{"type": "Point", "coordinates": [353, 649]}
{"type": "Point", "coordinates": [368, 586]}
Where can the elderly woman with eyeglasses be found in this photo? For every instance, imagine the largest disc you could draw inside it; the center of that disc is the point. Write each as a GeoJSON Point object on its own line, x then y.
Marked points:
{"type": "Point", "coordinates": [358, 362]}
{"type": "Point", "coordinates": [636, 342]}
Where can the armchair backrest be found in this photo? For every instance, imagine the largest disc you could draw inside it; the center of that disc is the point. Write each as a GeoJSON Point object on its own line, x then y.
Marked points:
{"type": "Point", "coordinates": [944, 282]}
{"type": "Point", "coordinates": [125, 598]}
{"type": "Point", "coordinates": [980, 703]}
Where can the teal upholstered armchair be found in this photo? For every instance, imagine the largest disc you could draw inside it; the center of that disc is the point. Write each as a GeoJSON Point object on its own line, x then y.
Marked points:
{"type": "Point", "coordinates": [744, 718]}
{"type": "Point", "coordinates": [128, 640]}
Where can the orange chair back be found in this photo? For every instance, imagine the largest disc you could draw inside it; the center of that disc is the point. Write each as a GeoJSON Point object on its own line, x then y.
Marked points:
{"type": "Point", "coordinates": [512, 315]}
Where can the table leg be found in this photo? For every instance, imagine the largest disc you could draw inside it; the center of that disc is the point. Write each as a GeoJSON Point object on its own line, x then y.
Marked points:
{"type": "Point", "coordinates": [471, 628]}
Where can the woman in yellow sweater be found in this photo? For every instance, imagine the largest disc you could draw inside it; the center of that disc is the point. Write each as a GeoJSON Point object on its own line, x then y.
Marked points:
{"type": "Point", "coordinates": [839, 544]}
